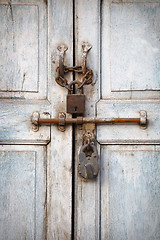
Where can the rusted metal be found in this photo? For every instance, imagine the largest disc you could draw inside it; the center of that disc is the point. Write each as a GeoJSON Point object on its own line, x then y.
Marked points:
{"type": "Point", "coordinates": [90, 120]}
{"type": "Point", "coordinates": [87, 73]}
{"type": "Point", "coordinates": [61, 123]}
{"type": "Point", "coordinates": [76, 103]}
{"type": "Point", "coordinates": [88, 133]}
{"type": "Point", "coordinates": [86, 48]}
{"type": "Point", "coordinates": [62, 49]}
{"type": "Point", "coordinates": [62, 120]}
{"type": "Point", "coordinates": [88, 156]}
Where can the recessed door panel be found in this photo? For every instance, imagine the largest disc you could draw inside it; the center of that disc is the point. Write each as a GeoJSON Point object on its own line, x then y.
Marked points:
{"type": "Point", "coordinates": [23, 53]}
{"type": "Point", "coordinates": [16, 126]}
{"type": "Point", "coordinates": [23, 191]}
{"type": "Point", "coordinates": [135, 46]}
{"type": "Point", "coordinates": [130, 49]}
{"type": "Point", "coordinates": [130, 206]}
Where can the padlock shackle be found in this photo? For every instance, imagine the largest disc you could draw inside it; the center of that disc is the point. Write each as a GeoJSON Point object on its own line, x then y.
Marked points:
{"type": "Point", "coordinates": [74, 82]}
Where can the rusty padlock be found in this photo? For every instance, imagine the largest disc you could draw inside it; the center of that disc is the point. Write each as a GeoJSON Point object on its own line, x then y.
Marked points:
{"type": "Point", "coordinates": [88, 161]}
{"type": "Point", "coordinates": [75, 102]}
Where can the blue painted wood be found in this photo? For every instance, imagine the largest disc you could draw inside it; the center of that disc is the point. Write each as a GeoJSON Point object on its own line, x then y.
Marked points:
{"type": "Point", "coordinates": [130, 192]}
{"type": "Point", "coordinates": [135, 46]}
{"type": "Point", "coordinates": [130, 49]}
{"type": "Point", "coordinates": [23, 191]}
{"type": "Point", "coordinates": [19, 48]}
{"type": "Point", "coordinates": [23, 52]}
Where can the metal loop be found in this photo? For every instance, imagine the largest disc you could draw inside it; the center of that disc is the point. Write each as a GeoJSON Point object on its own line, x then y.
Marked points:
{"type": "Point", "coordinates": [73, 83]}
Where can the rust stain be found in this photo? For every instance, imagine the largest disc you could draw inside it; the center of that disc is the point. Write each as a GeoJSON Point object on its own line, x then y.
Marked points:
{"type": "Point", "coordinates": [24, 78]}
{"type": "Point", "coordinates": [13, 33]}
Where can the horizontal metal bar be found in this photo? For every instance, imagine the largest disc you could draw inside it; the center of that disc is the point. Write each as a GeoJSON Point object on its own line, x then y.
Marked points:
{"type": "Point", "coordinates": [62, 120]}
{"type": "Point", "coordinates": [89, 120]}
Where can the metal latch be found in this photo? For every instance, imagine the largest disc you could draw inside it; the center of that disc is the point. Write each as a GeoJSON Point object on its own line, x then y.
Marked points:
{"type": "Point", "coordinates": [88, 157]}
{"type": "Point", "coordinates": [36, 120]}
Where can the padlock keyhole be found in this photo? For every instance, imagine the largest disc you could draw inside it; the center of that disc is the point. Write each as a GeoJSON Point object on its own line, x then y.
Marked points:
{"type": "Point", "coordinates": [75, 108]}
{"type": "Point", "coordinates": [88, 151]}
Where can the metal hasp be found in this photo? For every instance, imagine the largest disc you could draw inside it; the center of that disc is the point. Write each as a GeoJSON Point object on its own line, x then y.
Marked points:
{"type": "Point", "coordinates": [75, 102]}
{"type": "Point", "coordinates": [88, 156]}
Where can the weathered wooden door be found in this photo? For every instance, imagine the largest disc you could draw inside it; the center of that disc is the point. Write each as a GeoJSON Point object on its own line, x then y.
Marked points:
{"type": "Point", "coordinates": [124, 201]}
{"type": "Point", "coordinates": [35, 174]}
{"type": "Point", "coordinates": [42, 195]}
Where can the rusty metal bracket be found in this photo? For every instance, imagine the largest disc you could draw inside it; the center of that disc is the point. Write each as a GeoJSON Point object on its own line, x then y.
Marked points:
{"type": "Point", "coordinates": [62, 49]}
{"type": "Point", "coordinates": [34, 119]}
{"type": "Point", "coordinates": [86, 48]}
{"type": "Point", "coordinates": [61, 124]}
{"type": "Point", "coordinates": [88, 133]}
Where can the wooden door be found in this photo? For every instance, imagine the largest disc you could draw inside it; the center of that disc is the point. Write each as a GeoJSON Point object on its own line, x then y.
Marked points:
{"type": "Point", "coordinates": [123, 202]}
{"type": "Point", "coordinates": [38, 173]}
{"type": "Point", "coordinates": [35, 174]}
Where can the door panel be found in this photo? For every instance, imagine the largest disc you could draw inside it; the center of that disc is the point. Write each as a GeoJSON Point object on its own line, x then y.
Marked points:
{"type": "Point", "coordinates": [130, 206]}
{"type": "Point", "coordinates": [23, 192]}
{"type": "Point", "coordinates": [23, 62]}
{"type": "Point", "coordinates": [123, 202]}
{"type": "Point", "coordinates": [131, 49]}
{"type": "Point", "coordinates": [16, 126]}
{"type": "Point", "coordinates": [36, 178]}
{"type": "Point", "coordinates": [135, 46]}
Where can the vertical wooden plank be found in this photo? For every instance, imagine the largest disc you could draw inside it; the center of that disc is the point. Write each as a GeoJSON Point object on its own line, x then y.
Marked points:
{"type": "Point", "coordinates": [87, 18]}
{"type": "Point", "coordinates": [60, 19]}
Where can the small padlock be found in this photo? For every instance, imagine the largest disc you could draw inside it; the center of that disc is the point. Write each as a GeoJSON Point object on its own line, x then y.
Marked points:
{"type": "Point", "coordinates": [88, 161]}
{"type": "Point", "coordinates": [75, 102]}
